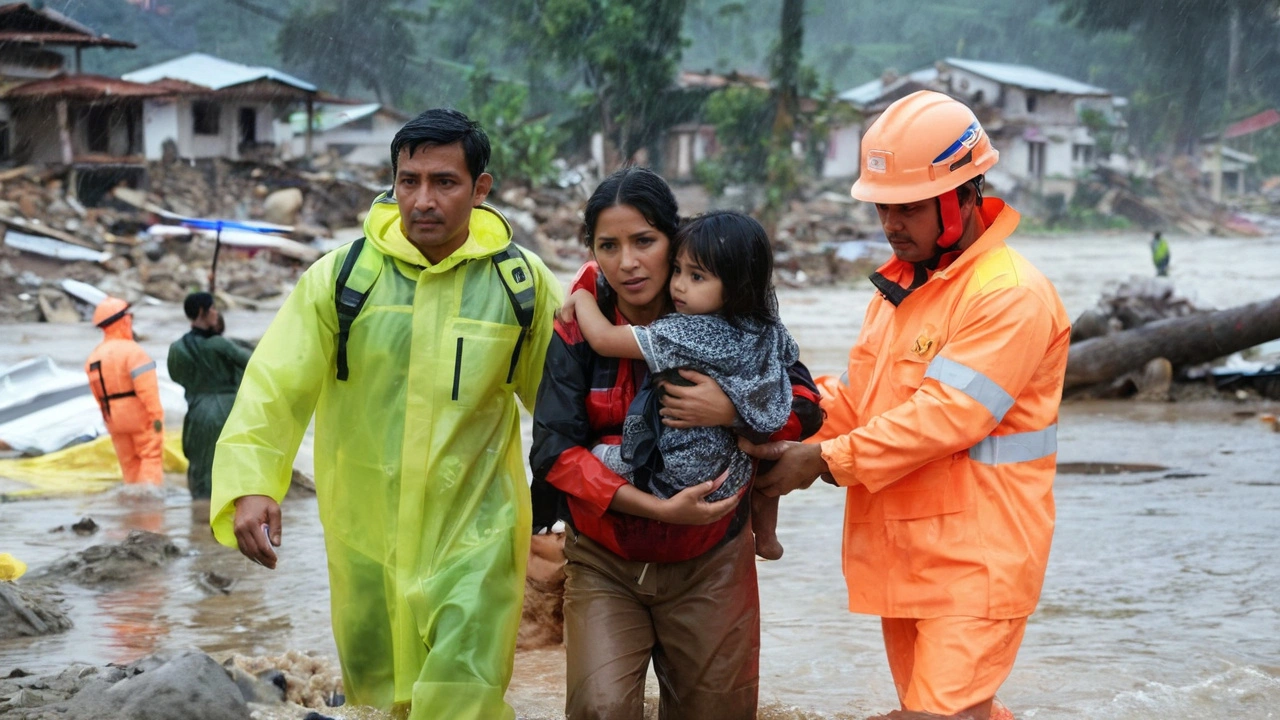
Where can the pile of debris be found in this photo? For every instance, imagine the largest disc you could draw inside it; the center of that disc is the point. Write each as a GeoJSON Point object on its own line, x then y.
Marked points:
{"type": "Point", "coordinates": [1130, 304]}
{"type": "Point", "coordinates": [154, 243]}
{"type": "Point", "coordinates": [1143, 336]}
{"type": "Point", "coordinates": [1169, 200]}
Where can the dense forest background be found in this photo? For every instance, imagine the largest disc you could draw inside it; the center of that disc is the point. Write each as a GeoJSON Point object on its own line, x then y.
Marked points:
{"type": "Point", "coordinates": [1187, 67]}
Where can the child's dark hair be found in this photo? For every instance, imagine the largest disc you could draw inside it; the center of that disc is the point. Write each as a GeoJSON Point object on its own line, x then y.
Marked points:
{"type": "Point", "coordinates": [637, 187]}
{"type": "Point", "coordinates": [734, 248]}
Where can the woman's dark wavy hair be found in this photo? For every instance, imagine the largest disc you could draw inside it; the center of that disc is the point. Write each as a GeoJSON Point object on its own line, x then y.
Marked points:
{"type": "Point", "coordinates": [736, 249]}
{"type": "Point", "coordinates": [637, 187]}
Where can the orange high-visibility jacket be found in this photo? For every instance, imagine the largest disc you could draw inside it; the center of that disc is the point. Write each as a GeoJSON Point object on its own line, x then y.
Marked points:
{"type": "Point", "coordinates": [123, 379]}
{"type": "Point", "coordinates": [944, 432]}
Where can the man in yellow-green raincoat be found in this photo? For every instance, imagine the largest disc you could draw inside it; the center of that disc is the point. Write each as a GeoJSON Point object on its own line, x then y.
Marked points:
{"type": "Point", "coordinates": [412, 371]}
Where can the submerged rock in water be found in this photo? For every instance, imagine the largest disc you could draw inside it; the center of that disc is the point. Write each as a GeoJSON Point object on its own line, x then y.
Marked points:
{"type": "Point", "coordinates": [30, 611]}
{"type": "Point", "coordinates": [102, 564]}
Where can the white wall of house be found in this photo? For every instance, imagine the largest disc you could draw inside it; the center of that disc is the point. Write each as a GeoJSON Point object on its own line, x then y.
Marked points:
{"type": "Point", "coordinates": [368, 143]}
{"type": "Point", "coordinates": [160, 123]}
{"type": "Point", "coordinates": [964, 84]}
{"type": "Point", "coordinates": [843, 152]}
{"type": "Point", "coordinates": [175, 119]}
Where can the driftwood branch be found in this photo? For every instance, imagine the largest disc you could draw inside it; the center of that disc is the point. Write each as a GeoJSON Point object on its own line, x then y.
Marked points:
{"type": "Point", "coordinates": [1182, 341]}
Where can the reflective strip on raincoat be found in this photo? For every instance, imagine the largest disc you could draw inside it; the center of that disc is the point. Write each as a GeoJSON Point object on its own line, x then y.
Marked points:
{"type": "Point", "coordinates": [419, 472]}
{"type": "Point", "coordinates": [944, 429]}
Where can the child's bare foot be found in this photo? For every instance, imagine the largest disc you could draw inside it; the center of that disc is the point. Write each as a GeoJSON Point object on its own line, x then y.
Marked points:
{"type": "Point", "coordinates": [768, 547]}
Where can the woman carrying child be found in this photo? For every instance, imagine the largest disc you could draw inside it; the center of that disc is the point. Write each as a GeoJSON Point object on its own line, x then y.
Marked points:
{"type": "Point", "coordinates": [671, 579]}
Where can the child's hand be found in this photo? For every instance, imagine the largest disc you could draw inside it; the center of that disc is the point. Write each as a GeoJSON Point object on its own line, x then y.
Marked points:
{"type": "Point", "coordinates": [566, 313]}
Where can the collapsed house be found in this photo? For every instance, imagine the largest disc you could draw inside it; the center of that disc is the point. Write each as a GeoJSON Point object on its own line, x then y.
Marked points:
{"type": "Point", "coordinates": [1036, 119]}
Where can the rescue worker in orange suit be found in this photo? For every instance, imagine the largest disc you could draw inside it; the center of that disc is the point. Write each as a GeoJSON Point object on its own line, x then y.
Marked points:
{"type": "Point", "coordinates": [943, 428]}
{"type": "Point", "coordinates": [123, 380]}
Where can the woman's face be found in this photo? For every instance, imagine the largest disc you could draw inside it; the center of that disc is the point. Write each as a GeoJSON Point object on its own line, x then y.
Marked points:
{"type": "Point", "coordinates": [635, 258]}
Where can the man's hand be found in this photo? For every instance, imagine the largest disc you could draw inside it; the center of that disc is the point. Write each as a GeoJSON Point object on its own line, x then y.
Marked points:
{"type": "Point", "coordinates": [702, 404]}
{"type": "Point", "coordinates": [798, 465]}
{"type": "Point", "coordinates": [252, 513]}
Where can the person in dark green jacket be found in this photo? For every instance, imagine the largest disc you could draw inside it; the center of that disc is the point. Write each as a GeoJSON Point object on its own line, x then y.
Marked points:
{"type": "Point", "coordinates": [209, 367]}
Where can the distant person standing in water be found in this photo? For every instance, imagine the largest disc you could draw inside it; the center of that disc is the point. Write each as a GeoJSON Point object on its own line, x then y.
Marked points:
{"type": "Point", "coordinates": [209, 367]}
{"type": "Point", "coordinates": [123, 380]}
{"type": "Point", "coordinates": [1160, 254]}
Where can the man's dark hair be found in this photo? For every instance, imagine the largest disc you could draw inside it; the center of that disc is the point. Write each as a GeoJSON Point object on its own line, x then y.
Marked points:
{"type": "Point", "coordinates": [971, 188]}
{"type": "Point", "coordinates": [443, 126]}
{"type": "Point", "coordinates": [735, 248]}
{"type": "Point", "coordinates": [196, 303]}
{"type": "Point", "coordinates": [637, 187]}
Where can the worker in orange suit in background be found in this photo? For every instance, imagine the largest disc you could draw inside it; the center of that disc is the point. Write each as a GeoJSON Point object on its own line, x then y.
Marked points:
{"type": "Point", "coordinates": [123, 380]}
{"type": "Point", "coordinates": [943, 429]}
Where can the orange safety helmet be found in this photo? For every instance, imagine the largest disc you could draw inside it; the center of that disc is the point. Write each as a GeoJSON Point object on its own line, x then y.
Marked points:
{"type": "Point", "coordinates": [109, 311]}
{"type": "Point", "coordinates": [924, 146]}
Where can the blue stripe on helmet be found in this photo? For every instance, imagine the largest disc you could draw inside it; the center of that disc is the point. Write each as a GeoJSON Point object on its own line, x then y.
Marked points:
{"type": "Point", "coordinates": [967, 139]}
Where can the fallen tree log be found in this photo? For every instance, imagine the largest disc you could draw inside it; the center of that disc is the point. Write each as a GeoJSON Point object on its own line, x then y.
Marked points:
{"type": "Point", "coordinates": [1182, 341]}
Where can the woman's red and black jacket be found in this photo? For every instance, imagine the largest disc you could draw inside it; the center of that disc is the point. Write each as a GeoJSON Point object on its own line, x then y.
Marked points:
{"type": "Point", "coordinates": [582, 401]}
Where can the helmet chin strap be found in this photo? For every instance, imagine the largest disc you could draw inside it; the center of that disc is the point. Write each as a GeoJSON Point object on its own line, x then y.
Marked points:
{"type": "Point", "coordinates": [952, 230]}
{"type": "Point", "coordinates": [952, 223]}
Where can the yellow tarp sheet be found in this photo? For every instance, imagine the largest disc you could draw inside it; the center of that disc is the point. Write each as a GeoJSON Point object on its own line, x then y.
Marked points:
{"type": "Point", "coordinates": [80, 469]}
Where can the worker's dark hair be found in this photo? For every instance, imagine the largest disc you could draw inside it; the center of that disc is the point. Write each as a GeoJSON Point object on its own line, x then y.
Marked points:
{"type": "Point", "coordinates": [735, 248]}
{"type": "Point", "coordinates": [970, 188]}
{"type": "Point", "coordinates": [196, 303]}
{"type": "Point", "coordinates": [639, 188]}
{"type": "Point", "coordinates": [443, 126]}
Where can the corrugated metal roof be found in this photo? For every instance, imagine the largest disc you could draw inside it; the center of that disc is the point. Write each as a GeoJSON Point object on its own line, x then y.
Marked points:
{"type": "Point", "coordinates": [213, 72]}
{"type": "Point", "coordinates": [87, 87]}
{"type": "Point", "coordinates": [869, 92]}
{"type": "Point", "coordinates": [1024, 76]}
{"type": "Point", "coordinates": [331, 115]}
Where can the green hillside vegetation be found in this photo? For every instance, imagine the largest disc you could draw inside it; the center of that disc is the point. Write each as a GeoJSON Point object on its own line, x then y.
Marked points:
{"type": "Point", "coordinates": [1171, 58]}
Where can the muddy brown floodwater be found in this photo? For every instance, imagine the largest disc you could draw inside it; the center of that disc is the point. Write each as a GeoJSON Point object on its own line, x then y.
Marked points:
{"type": "Point", "coordinates": [1160, 600]}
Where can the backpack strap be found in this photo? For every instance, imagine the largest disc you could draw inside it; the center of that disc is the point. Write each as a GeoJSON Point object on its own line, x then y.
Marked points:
{"type": "Point", "coordinates": [360, 270]}
{"type": "Point", "coordinates": [517, 278]}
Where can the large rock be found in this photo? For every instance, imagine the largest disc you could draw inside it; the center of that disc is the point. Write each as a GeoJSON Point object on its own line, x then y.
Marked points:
{"type": "Point", "coordinates": [30, 612]}
{"type": "Point", "coordinates": [141, 552]}
{"type": "Point", "coordinates": [282, 206]}
{"type": "Point", "coordinates": [189, 687]}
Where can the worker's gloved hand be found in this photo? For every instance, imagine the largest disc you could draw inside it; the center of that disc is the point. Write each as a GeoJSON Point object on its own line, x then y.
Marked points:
{"type": "Point", "coordinates": [158, 425]}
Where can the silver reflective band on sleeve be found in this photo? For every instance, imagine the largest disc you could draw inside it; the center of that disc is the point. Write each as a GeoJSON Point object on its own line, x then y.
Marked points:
{"type": "Point", "coordinates": [844, 378]}
{"type": "Point", "coordinates": [1016, 448]}
{"type": "Point", "coordinates": [145, 367]}
{"type": "Point", "coordinates": [971, 383]}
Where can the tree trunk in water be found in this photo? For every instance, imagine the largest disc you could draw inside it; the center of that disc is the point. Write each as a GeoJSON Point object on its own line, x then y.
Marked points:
{"type": "Point", "coordinates": [1183, 341]}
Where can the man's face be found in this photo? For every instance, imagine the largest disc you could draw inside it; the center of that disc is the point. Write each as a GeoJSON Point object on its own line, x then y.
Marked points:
{"type": "Point", "coordinates": [912, 229]}
{"type": "Point", "coordinates": [435, 193]}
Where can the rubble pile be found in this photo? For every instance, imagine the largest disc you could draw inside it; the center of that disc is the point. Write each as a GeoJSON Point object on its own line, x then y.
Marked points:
{"type": "Point", "coordinates": [50, 237]}
{"type": "Point", "coordinates": [1133, 303]}
{"type": "Point", "coordinates": [823, 240]}
{"type": "Point", "coordinates": [1170, 200]}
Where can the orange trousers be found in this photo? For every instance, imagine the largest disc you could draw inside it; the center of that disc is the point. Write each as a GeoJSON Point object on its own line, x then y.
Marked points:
{"type": "Point", "coordinates": [950, 664]}
{"type": "Point", "coordinates": [141, 456]}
